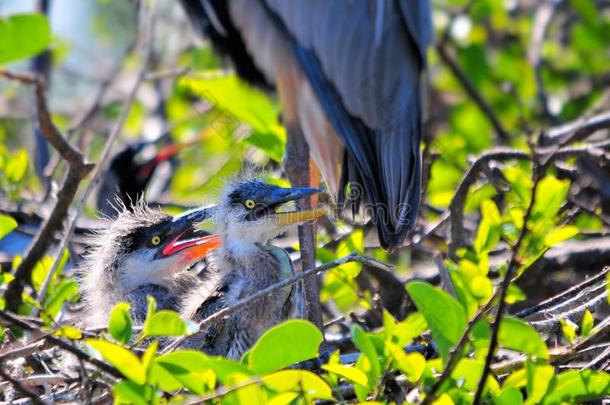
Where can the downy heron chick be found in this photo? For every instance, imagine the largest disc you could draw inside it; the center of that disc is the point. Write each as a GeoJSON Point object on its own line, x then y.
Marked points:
{"type": "Point", "coordinates": [248, 219]}
{"type": "Point", "coordinates": [143, 252]}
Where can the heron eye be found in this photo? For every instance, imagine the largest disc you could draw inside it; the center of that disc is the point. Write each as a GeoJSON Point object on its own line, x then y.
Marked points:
{"type": "Point", "coordinates": [155, 240]}
{"type": "Point", "coordinates": [249, 204]}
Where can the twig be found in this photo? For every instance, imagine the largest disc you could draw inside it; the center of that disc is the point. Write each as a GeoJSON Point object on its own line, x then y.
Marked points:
{"type": "Point", "coordinates": [545, 155]}
{"type": "Point", "coordinates": [68, 346]}
{"type": "Point", "coordinates": [575, 315]}
{"type": "Point", "coordinates": [146, 47]}
{"type": "Point", "coordinates": [471, 90]}
{"type": "Point", "coordinates": [20, 387]}
{"type": "Point", "coordinates": [223, 313]}
{"type": "Point", "coordinates": [22, 351]}
{"type": "Point", "coordinates": [542, 19]}
{"type": "Point", "coordinates": [78, 170]}
{"type": "Point", "coordinates": [581, 127]}
{"type": "Point", "coordinates": [567, 294]}
{"type": "Point", "coordinates": [455, 354]}
{"type": "Point", "coordinates": [511, 270]}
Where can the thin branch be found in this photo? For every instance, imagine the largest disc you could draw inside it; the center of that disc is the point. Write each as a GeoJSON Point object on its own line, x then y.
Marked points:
{"type": "Point", "coordinates": [67, 346]}
{"type": "Point", "coordinates": [471, 90]}
{"type": "Point", "coordinates": [545, 155]}
{"type": "Point", "coordinates": [77, 171]}
{"type": "Point", "coordinates": [511, 270]}
{"type": "Point", "coordinates": [225, 312]}
{"type": "Point", "coordinates": [20, 387]}
{"type": "Point", "coordinates": [146, 49]}
{"type": "Point", "coordinates": [565, 295]}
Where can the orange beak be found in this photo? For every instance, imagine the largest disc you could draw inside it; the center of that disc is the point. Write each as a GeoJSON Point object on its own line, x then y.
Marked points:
{"type": "Point", "coordinates": [192, 249]}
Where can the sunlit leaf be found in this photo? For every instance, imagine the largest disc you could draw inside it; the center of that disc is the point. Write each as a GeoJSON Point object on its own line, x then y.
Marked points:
{"type": "Point", "coordinates": [538, 378]}
{"type": "Point", "coordinates": [7, 225]}
{"type": "Point", "coordinates": [119, 323]}
{"type": "Point", "coordinates": [164, 323]}
{"type": "Point", "coordinates": [366, 346]}
{"type": "Point", "coordinates": [299, 380]}
{"type": "Point", "coordinates": [586, 324]}
{"type": "Point", "coordinates": [285, 344]}
{"type": "Point", "coordinates": [17, 165]}
{"type": "Point", "coordinates": [561, 234]}
{"type": "Point", "coordinates": [23, 36]}
{"type": "Point", "coordinates": [518, 335]}
{"type": "Point", "coordinates": [351, 374]}
{"type": "Point", "coordinates": [127, 392]}
{"type": "Point", "coordinates": [124, 361]}
{"type": "Point", "coordinates": [509, 396]}
{"type": "Point", "coordinates": [578, 386]}
{"type": "Point", "coordinates": [444, 315]}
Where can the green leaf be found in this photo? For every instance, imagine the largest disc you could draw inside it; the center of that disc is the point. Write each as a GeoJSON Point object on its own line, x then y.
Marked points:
{"type": "Point", "coordinates": [300, 381]}
{"type": "Point", "coordinates": [538, 378]}
{"type": "Point", "coordinates": [489, 232]}
{"type": "Point", "coordinates": [65, 291]}
{"type": "Point", "coordinates": [410, 364]}
{"type": "Point", "coordinates": [243, 103]}
{"type": "Point", "coordinates": [366, 346]}
{"type": "Point", "coordinates": [124, 360]}
{"type": "Point", "coordinates": [586, 324]}
{"type": "Point", "coordinates": [560, 234]}
{"type": "Point", "coordinates": [550, 195]}
{"type": "Point", "coordinates": [151, 306]}
{"type": "Point", "coordinates": [578, 386]}
{"type": "Point", "coordinates": [165, 323]}
{"type": "Point", "coordinates": [7, 225]}
{"type": "Point", "coordinates": [509, 396]}
{"type": "Point", "coordinates": [444, 315]}
{"type": "Point", "coordinates": [568, 328]}
{"type": "Point", "coordinates": [23, 36]}
{"type": "Point", "coordinates": [351, 374]}
{"type": "Point", "coordinates": [16, 166]}
{"type": "Point", "coordinates": [120, 324]}
{"type": "Point", "coordinates": [285, 344]}
{"type": "Point", "coordinates": [188, 367]}
{"type": "Point", "coordinates": [126, 392]}
{"type": "Point", "coordinates": [517, 335]}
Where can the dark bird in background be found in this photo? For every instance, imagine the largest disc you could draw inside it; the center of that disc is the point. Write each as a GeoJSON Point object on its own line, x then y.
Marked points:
{"type": "Point", "coordinates": [132, 170]}
{"type": "Point", "coordinates": [143, 252]}
{"type": "Point", "coordinates": [247, 220]}
{"type": "Point", "coordinates": [349, 77]}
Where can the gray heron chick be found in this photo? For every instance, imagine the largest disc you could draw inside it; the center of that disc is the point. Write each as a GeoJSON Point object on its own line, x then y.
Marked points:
{"type": "Point", "coordinates": [247, 220]}
{"type": "Point", "coordinates": [143, 252]}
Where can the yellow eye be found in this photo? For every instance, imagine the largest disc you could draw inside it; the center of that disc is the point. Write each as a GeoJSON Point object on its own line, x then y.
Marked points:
{"type": "Point", "coordinates": [249, 204]}
{"type": "Point", "coordinates": [155, 240]}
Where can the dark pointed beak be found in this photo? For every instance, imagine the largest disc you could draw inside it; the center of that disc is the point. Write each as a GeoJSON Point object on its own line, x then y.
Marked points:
{"type": "Point", "coordinates": [283, 195]}
{"type": "Point", "coordinates": [186, 239]}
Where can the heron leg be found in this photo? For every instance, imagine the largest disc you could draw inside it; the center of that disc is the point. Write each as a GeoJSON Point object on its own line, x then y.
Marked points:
{"type": "Point", "coordinates": [303, 173]}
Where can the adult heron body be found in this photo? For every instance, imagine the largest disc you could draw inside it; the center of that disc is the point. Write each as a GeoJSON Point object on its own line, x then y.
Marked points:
{"type": "Point", "coordinates": [349, 76]}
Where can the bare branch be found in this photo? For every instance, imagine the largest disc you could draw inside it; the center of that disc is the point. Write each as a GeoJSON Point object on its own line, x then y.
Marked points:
{"type": "Point", "coordinates": [146, 49]}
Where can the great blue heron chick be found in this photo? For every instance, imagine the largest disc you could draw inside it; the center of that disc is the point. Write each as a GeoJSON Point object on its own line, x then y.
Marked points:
{"type": "Point", "coordinates": [143, 252]}
{"type": "Point", "coordinates": [248, 219]}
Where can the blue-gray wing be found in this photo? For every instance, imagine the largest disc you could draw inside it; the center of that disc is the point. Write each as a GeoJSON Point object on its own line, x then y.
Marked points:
{"type": "Point", "coordinates": [364, 60]}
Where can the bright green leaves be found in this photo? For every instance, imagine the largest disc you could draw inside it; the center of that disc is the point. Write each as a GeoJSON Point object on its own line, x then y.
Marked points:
{"type": "Point", "coordinates": [121, 358]}
{"type": "Point", "coordinates": [23, 36]}
{"type": "Point", "coordinates": [242, 103]}
{"type": "Point", "coordinates": [445, 316]}
{"type": "Point", "coordinates": [13, 169]}
{"type": "Point", "coordinates": [291, 342]}
{"type": "Point", "coordinates": [305, 383]}
{"type": "Point", "coordinates": [578, 386]}
{"type": "Point", "coordinates": [7, 225]}
{"type": "Point", "coordinates": [369, 361]}
{"type": "Point", "coordinates": [165, 323]}
{"type": "Point", "coordinates": [490, 228]}
{"type": "Point", "coordinates": [120, 324]}
{"type": "Point", "coordinates": [517, 335]}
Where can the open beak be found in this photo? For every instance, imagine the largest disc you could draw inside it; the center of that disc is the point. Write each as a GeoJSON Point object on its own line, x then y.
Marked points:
{"type": "Point", "coordinates": [192, 249]}
{"type": "Point", "coordinates": [191, 243]}
{"type": "Point", "coordinates": [283, 195]}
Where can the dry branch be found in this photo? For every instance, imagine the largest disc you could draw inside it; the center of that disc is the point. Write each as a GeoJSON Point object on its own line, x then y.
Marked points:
{"type": "Point", "coordinates": [77, 171]}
